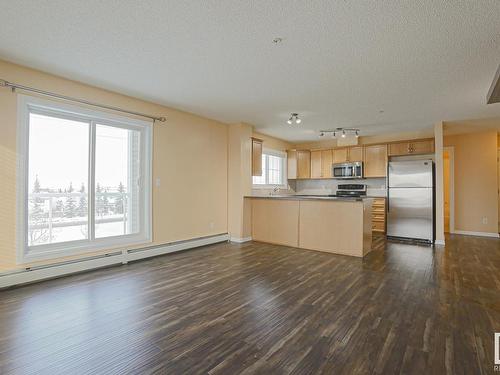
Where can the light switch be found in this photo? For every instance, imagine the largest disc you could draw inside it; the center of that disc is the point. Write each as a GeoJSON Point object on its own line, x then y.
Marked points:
{"type": "Point", "coordinates": [158, 182]}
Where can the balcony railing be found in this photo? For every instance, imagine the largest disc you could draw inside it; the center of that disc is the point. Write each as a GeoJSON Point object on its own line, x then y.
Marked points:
{"type": "Point", "coordinates": [49, 214]}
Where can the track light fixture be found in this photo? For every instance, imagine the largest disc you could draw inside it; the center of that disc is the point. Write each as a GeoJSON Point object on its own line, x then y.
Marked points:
{"type": "Point", "coordinates": [344, 132]}
{"type": "Point", "coordinates": [294, 117]}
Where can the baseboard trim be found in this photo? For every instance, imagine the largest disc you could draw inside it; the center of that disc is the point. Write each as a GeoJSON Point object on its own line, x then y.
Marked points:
{"type": "Point", "coordinates": [481, 234]}
{"type": "Point", "coordinates": [439, 242]}
{"type": "Point", "coordinates": [115, 258]}
{"type": "Point", "coordinates": [240, 240]}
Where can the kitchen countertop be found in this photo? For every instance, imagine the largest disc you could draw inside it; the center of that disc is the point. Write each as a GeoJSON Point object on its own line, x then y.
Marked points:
{"type": "Point", "coordinates": [309, 197]}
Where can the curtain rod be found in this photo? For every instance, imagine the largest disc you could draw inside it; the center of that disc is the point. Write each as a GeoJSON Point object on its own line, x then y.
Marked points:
{"type": "Point", "coordinates": [15, 86]}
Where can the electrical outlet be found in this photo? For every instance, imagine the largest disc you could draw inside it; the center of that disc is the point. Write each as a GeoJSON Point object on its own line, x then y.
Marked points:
{"type": "Point", "coordinates": [158, 182]}
{"type": "Point", "coordinates": [212, 225]}
{"type": "Point", "coordinates": [485, 220]}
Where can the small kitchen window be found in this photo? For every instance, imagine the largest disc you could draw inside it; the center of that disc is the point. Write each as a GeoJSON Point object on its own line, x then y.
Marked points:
{"type": "Point", "coordinates": [273, 170]}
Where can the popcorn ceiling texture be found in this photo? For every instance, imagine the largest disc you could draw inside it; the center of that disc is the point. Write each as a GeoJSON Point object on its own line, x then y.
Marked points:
{"type": "Point", "coordinates": [339, 64]}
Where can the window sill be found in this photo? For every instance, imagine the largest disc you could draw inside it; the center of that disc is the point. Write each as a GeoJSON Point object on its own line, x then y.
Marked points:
{"type": "Point", "coordinates": [281, 187]}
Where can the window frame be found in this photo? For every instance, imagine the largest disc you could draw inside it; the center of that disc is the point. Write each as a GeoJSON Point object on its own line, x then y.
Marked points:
{"type": "Point", "coordinates": [265, 169]}
{"type": "Point", "coordinates": [30, 104]}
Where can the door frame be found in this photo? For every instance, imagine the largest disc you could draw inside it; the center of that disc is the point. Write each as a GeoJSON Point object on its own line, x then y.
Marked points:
{"type": "Point", "coordinates": [451, 152]}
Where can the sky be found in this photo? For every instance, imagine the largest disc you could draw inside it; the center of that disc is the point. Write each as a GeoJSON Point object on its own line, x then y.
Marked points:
{"type": "Point", "coordinates": [59, 153]}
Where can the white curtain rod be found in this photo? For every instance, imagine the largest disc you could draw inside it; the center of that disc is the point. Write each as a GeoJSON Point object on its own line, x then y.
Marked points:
{"type": "Point", "coordinates": [15, 86]}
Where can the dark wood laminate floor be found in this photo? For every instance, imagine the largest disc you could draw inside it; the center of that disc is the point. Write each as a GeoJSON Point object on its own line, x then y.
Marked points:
{"type": "Point", "coordinates": [258, 308]}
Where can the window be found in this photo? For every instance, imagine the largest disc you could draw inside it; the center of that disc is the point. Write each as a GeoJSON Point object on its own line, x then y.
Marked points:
{"type": "Point", "coordinates": [273, 170]}
{"type": "Point", "coordinates": [84, 180]}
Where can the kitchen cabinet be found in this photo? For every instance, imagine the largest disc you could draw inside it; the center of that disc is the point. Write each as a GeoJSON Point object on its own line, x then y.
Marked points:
{"type": "Point", "coordinates": [340, 155]}
{"type": "Point", "coordinates": [326, 163]}
{"type": "Point", "coordinates": [419, 147]}
{"type": "Point", "coordinates": [256, 157]}
{"type": "Point", "coordinates": [422, 147]}
{"type": "Point", "coordinates": [298, 164]}
{"type": "Point", "coordinates": [316, 170]}
{"type": "Point", "coordinates": [291, 164]}
{"type": "Point", "coordinates": [375, 158]}
{"type": "Point", "coordinates": [303, 164]}
{"type": "Point", "coordinates": [378, 215]}
{"type": "Point", "coordinates": [321, 164]}
{"type": "Point", "coordinates": [355, 153]}
{"type": "Point", "coordinates": [348, 154]}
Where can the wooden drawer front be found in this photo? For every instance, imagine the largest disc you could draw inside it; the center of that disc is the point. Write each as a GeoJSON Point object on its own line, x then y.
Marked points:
{"type": "Point", "coordinates": [378, 226]}
{"type": "Point", "coordinates": [378, 215]}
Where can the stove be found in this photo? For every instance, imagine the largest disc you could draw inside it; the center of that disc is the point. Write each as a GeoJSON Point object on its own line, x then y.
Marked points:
{"type": "Point", "coordinates": [351, 190]}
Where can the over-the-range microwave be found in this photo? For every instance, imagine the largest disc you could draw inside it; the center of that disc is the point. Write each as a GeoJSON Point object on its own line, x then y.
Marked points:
{"type": "Point", "coordinates": [348, 170]}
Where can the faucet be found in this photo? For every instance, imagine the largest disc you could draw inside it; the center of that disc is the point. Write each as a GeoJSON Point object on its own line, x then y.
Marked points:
{"type": "Point", "coordinates": [276, 189]}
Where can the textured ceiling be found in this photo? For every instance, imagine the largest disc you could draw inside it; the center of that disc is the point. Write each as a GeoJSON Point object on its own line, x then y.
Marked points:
{"type": "Point", "coordinates": [339, 64]}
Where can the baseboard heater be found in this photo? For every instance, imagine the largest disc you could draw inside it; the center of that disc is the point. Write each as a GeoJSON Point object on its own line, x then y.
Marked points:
{"type": "Point", "coordinates": [54, 270]}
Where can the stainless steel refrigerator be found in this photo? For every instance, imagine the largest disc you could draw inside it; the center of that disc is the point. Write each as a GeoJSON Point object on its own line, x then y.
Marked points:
{"type": "Point", "coordinates": [410, 208]}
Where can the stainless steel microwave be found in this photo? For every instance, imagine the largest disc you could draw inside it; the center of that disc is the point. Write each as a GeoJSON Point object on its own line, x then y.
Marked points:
{"type": "Point", "coordinates": [348, 170]}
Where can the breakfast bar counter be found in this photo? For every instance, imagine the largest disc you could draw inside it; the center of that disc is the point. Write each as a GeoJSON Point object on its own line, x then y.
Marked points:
{"type": "Point", "coordinates": [331, 224]}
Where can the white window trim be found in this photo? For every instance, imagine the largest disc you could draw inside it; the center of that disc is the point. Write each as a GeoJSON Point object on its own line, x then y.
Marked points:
{"type": "Point", "coordinates": [283, 155]}
{"type": "Point", "coordinates": [27, 103]}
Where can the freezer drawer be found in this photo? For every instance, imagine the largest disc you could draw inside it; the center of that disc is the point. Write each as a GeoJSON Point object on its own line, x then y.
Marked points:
{"type": "Point", "coordinates": [409, 213]}
{"type": "Point", "coordinates": [415, 173]}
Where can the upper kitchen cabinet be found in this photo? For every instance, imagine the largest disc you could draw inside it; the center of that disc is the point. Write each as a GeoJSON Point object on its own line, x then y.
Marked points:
{"type": "Point", "coordinates": [355, 154]}
{"type": "Point", "coordinates": [321, 164]}
{"type": "Point", "coordinates": [340, 155]}
{"type": "Point", "coordinates": [425, 146]}
{"type": "Point", "coordinates": [326, 163]}
{"type": "Point", "coordinates": [299, 164]}
{"type": "Point", "coordinates": [303, 164]}
{"type": "Point", "coordinates": [256, 157]}
{"type": "Point", "coordinates": [375, 161]}
{"type": "Point", "coordinates": [316, 164]}
{"type": "Point", "coordinates": [348, 154]}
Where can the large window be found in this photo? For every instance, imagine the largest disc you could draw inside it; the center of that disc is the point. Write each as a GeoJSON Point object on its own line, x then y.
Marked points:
{"type": "Point", "coordinates": [84, 180]}
{"type": "Point", "coordinates": [273, 170]}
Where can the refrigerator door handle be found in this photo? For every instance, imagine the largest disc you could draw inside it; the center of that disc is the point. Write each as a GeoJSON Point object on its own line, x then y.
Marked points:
{"type": "Point", "coordinates": [387, 187]}
{"type": "Point", "coordinates": [388, 200]}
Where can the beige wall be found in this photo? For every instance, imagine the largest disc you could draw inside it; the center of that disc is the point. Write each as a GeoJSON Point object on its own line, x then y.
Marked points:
{"type": "Point", "coordinates": [189, 156]}
{"type": "Point", "coordinates": [439, 184]}
{"type": "Point", "coordinates": [475, 180]}
{"type": "Point", "coordinates": [272, 142]}
{"type": "Point", "coordinates": [239, 180]}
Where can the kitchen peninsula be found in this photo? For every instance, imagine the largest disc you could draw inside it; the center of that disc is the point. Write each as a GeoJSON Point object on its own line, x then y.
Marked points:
{"type": "Point", "coordinates": [331, 224]}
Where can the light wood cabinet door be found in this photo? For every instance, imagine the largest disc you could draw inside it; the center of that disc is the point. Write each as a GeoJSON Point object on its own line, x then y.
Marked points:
{"type": "Point", "coordinates": [375, 161]}
{"type": "Point", "coordinates": [292, 164]}
{"type": "Point", "coordinates": [400, 148]}
{"type": "Point", "coordinates": [418, 147]}
{"type": "Point", "coordinates": [316, 160]}
{"type": "Point", "coordinates": [256, 157]}
{"type": "Point", "coordinates": [422, 147]}
{"type": "Point", "coordinates": [326, 163]}
{"type": "Point", "coordinates": [340, 155]}
{"type": "Point", "coordinates": [355, 154]}
{"type": "Point", "coordinates": [303, 164]}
